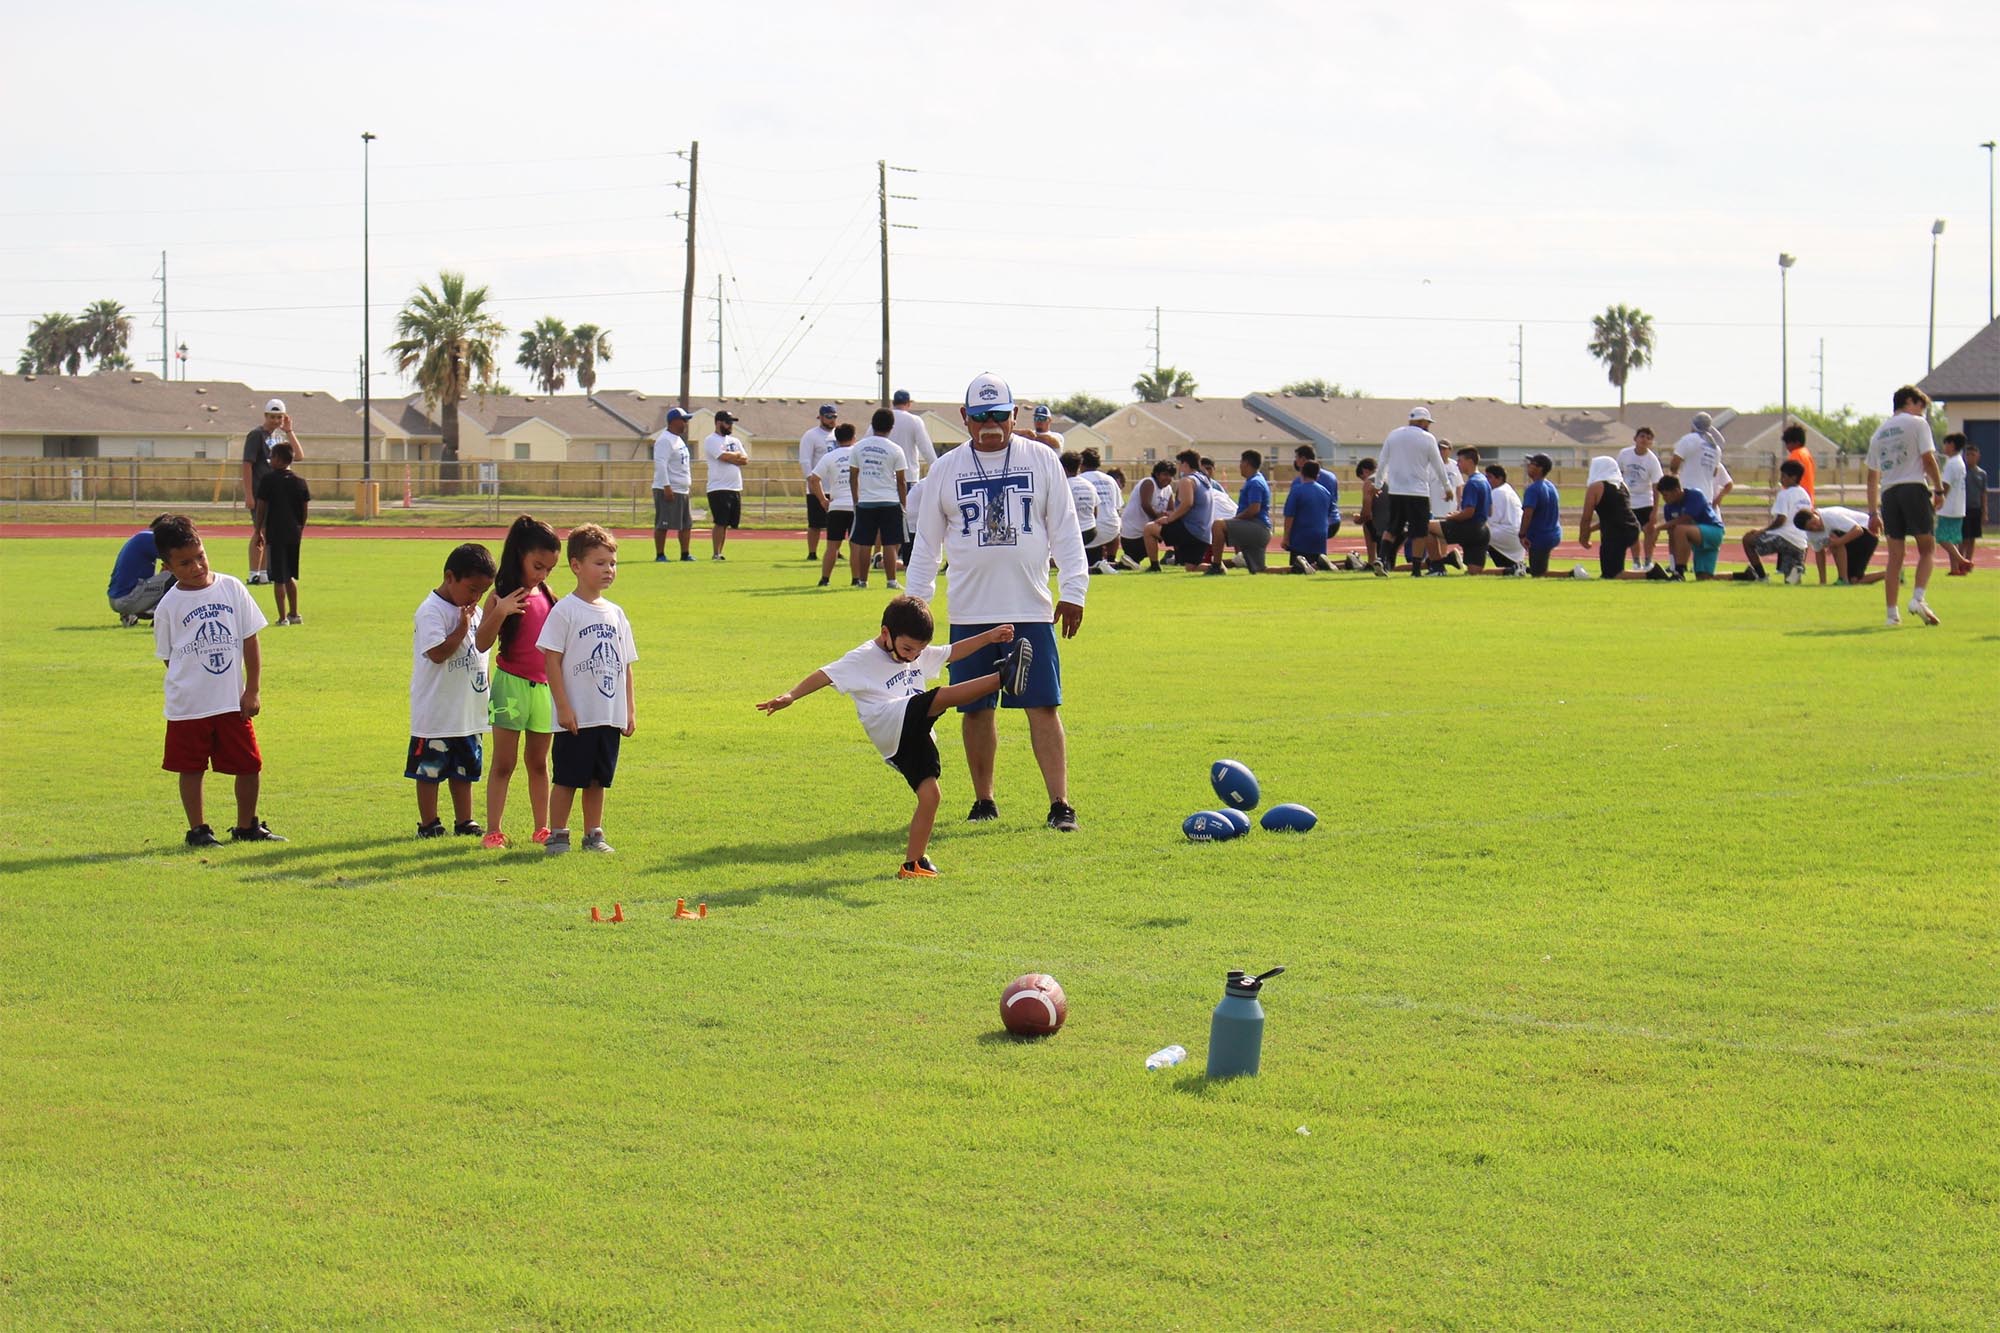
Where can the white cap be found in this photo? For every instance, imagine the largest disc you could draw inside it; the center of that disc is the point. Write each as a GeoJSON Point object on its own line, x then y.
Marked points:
{"type": "Point", "coordinates": [1420, 414]}
{"type": "Point", "coordinates": [987, 392]}
{"type": "Point", "coordinates": [275, 405]}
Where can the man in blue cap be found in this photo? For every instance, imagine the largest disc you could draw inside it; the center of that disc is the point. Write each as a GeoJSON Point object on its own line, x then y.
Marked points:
{"type": "Point", "coordinates": [910, 432]}
{"type": "Point", "coordinates": [812, 447]}
{"type": "Point", "coordinates": [673, 479]}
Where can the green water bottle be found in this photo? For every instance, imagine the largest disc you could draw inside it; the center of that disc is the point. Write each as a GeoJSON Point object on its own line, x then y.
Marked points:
{"type": "Point", "coordinates": [1236, 1033]}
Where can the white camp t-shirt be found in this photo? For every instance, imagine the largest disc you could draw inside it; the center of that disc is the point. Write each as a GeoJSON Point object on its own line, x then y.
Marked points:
{"type": "Point", "coordinates": [878, 459]}
{"type": "Point", "coordinates": [1503, 523]}
{"type": "Point", "coordinates": [447, 698]}
{"type": "Point", "coordinates": [595, 640]}
{"type": "Point", "coordinates": [1700, 459]}
{"type": "Point", "coordinates": [1835, 522]}
{"type": "Point", "coordinates": [812, 447]}
{"type": "Point", "coordinates": [1786, 504]}
{"type": "Point", "coordinates": [722, 476]}
{"type": "Point", "coordinates": [673, 466]}
{"type": "Point", "coordinates": [199, 635]}
{"type": "Point", "coordinates": [1640, 471]}
{"type": "Point", "coordinates": [1410, 463]}
{"type": "Point", "coordinates": [1109, 501]}
{"type": "Point", "coordinates": [1085, 497]}
{"type": "Point", "coordinates": [1221, 504]}
{"type": "Point", "coordinates": [880, 687]}
{"type": "Point", "coordinates": [1444, 490]}
{"type": "Point", "coordinates": [832, 474]}
{"type": "Point", "coordinates": [998, 519]}
{"type": "Point", "coordinates": [918, 452]}
{"type": "Point", "coordinates": [1897, 449]}
{"type": "Point", "coordinates": [1951, 471]}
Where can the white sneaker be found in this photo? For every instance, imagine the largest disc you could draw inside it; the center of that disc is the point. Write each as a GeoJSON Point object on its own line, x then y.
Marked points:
{"type": "Point", "coordinates": [1795, 576]}
{"type": "Point", "coordinates": [1579, 572]}
{"type": "Point", "coordinates": [1104, 567]}
{"type": "Point", "coordinates": [1126, 562]}
{"type": "Point", "coordinates": [257, 578]}
{"type": "Point", "coordinates": [1923, 612]}
{"type": "Point", "coordinates": [1895, 618]}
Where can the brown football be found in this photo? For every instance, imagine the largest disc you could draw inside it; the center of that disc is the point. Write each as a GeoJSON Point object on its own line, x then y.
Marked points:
{"type": "Point", "coordinates": [1033, 1005]}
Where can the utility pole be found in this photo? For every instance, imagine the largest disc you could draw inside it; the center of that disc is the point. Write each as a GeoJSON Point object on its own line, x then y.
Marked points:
{"type": "Point", "coordinates": [718, 335]}
{"type": "Point", "coordinates": [1988, 146]}
{"type": "Point", "coordinates": [166, 366]}
{"type": "Point", "coordinates": [1819, 375]}
{"type": "Point", "coordinates": [1930, 344]}
{"type": "Point", "coordinates": [687, 283]}
{"type": "Point", "coordinates": [1785, 263]}
{"type": "Point", "coordinates": [367, 398]}
{"type": "Point", "coordinates": [1156, 342]}
{"type": "Point", "coordinates": [882, 213]}
{"type": "Point", "coordinates": [1520, 361]}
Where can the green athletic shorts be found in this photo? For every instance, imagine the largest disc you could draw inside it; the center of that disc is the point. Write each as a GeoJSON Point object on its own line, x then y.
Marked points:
{"type": "Point", "coordinates": [1950, 531]}
{"type": "Point", "coordinates": [1705, 550]}
{"type": "Point", "coordinates": [521, 705]}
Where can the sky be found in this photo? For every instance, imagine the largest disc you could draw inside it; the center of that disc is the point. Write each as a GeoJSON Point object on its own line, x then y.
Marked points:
{"type": "Point", "coordinates": [1408, 199]}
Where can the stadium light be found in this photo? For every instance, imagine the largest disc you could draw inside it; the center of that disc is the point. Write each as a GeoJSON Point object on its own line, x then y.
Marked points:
{"type": "Point", "coordinates": [367, 403]}
{"type": "Point", "coordinates": [1785, 263]}
{"type": "Point", "coordinates": [1930, 345]}
{"type": "Point", "coordinates": [1988, 146]}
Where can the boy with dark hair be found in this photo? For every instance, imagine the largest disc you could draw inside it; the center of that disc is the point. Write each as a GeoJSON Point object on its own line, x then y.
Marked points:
{"type": "Point", "coordinates": [1184, 527]}
{"type": "Point", "coordinates": [282, 500]}
{"type": "Point", "coordinates": [449, 691]}
{"type": "Point", "coordinates": [1541, 515]}
{"type": "Point", "coordinates": [1781, 537]}
{"type": "Point", "coordinates": [1843, 533]}
{"type": "Point", "coordinates": [1110, 500]}
{"type": "Point", "coordinates": [885, 678]}
{"type": "Point", "coordinates": [1250, 530]}
{"type": "Point", "coordinates": [1903, 486]}
{"type": "Point", "coordinates": [1374, 514]}
{"type": "Point", "coordinates": [1951, 504]}
{"type": "Point", "coordinates": [1796, 452]}
{"type": "Point", "coordinates": [1975, 500]}
{"type": "Point", "coordinates": [587, 644]}
{"type": "Point", "coordinates": [1467, 527]}
{"type": "Point", "coordinates": [1503, 525]}
{"type": "Point", "coordinates": [1149, 500]}
{"type": "Point", "coordinates": [1085, 497]}
{"type": "Point", "coordinates": [878, 474]}
{"type": "Point", "coordinates": [829, 482]}
{"type": "Point", "coordinates": [205, 630]}
{"type": "Point", "coordinates": [1694, 532]}
{"type": "Point", "coordinates": [1307, 506]}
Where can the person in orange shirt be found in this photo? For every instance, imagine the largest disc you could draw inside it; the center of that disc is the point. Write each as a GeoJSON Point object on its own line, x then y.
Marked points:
{"type": "Point", "coordinates": [1796, 452]}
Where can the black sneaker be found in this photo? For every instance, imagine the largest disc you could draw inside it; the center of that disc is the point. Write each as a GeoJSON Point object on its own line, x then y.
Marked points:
{"type": "Point", "coordinates": [1657, 574]}
{"type": "Point", "coordinates": [982, 812]}
{"type": "Point", "coordinates": [1015, 664]}
{"type": "Point", "coordinates": [1743, 576]}
{"type": "Point", "coordinates": [257, 832]}
{"type": "Point", "coordinates": [1678, 576]}
{"type": "Point", "coordinates": [1452, 558]}
{"type": "Point", "coordinates": [203, 837]}
{"type": "Point", "coordinates": [468, 828]}
{"type": "Point", "coordinates": [434, 829]}
{"type": "Point", "coordinates": [1062, 817]}
{"type": "Point", "coordinates": [822, 583]}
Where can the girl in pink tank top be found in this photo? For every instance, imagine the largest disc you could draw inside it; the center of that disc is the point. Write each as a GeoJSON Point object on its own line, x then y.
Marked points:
{"type": "Point", "coordinates": [512, 618]}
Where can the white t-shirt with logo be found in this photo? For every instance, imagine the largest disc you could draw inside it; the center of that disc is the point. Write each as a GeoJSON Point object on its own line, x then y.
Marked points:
{"type": "Point", "coordinates": [915, 438]}
{"type": "Point", "coordinates": [881, 687]}
{"type": "Point", "coordinates": [1084, 495]}
{"type": "Point", "coordinates": [722, 476]}
{"type": "Point", "coordinates": [812, 447]}
{"type": "Point", "coordinates": [878, 459]}
{"type": "Point", "coordinates": [1897, 449]}
{"type": "Point", "coordinates": [199, 635]}
{"type": "Point", "coordinates": [832, 474]}
{"type": "Point", "coordinates": [1836, 522]}
{"type": "Point", "coordinates": [1109, 501]}
{"type": "Point", "coordinates": [1503, 523]}
{"type": "Point", "coordinates": [1640, 471]}
{"type": "Point", "coordinates": [1787, 504]}
{"type": "Point", "coordinates": [447, 698]}
{"type": "Point", "coordinates": [595, 640]}
{"type": "Point", "coordinates": [1951, 472]}
{"type": "Point", "coordinates": [998, 519]}
{"type": "Point", "coordinates": [1700, 459]}
{"type": "Point", "coordinates": [673, 466]}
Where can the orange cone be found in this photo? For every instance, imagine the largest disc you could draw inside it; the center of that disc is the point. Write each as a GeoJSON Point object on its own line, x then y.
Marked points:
{"type": "Point", "coordinates": [681, 912]}
{"type": "Point", "coordinates": [594, 916]}
{"type": "Point", "coordinates": [703, 912]}
{"type": "Point", "coordinates": [617, 913]}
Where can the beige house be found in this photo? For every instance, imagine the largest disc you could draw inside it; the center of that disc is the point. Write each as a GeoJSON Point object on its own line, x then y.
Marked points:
{"type": "Point", "coordinates": [1967, 383]}
{"type": "Point", "coordinates": [1753, 438]}
{"type": "Point", "coordinates": [135, 414]}
{"type": "Point", "coordinates": [1346, 430]}
{"type": "Point", "coordinates": [1218, 428]}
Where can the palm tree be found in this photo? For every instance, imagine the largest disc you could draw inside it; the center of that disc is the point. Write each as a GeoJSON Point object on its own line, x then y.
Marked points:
{"type": "Point", "coordinates": [1166, 382]}
{"type": "Point", "coordinates": [447, 339]}
{"type": "Point", "coordinates": [55, 346]}
{"type": "Point", "coordinates": [106, 330]}
{"type": "Point", "coordinates": [545, 354]}
{"type": "Point", "coordinates": [588, 345]}
{"type": "Point", "coordinates": [1623, 340]}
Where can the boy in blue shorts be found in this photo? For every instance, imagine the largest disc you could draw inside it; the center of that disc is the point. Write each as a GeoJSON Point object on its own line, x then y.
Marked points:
{"type": "Point", "coordinates": [448, 692]}
{"type": "Point", "coordinates": [1693, 531]}
{"type": "Point", "coordinates": [885, 677]}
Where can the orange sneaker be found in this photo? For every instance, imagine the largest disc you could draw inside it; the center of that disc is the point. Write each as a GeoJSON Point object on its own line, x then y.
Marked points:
{"type": "Point", "coordinates": [494, 840]}
{"type": "Point", "coordinates": [542, 835]}
{"type": "Point", "coordinates": [921, 868]}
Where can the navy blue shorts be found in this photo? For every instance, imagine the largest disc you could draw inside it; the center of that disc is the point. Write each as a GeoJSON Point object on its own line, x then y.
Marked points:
{"type": "Point", "coordinates": [1044, 676]}
{"type": "Point", "coordinates": [437, 759]}
{"type": "Point", "coordinates": [587, 759]}
{"type": "Point", "coordinates": [878, 525]}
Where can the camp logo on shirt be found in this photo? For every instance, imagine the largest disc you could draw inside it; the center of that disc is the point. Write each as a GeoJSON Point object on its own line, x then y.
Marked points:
{"type": "Point", "coordinates": [215, 646]}
{"type": "Point", "coordinates": [603, 665]}
{"type": "Point", "coordinates": [1893, 449]}
{"type": "Point", "coordinates": [983, 500]}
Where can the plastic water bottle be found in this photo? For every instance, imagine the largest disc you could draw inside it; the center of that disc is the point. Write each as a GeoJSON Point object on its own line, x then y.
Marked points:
{"type": "Point", "coordinates": [1236, 1033]}
{"type": "Point", "coordinates": [1167, 1058]}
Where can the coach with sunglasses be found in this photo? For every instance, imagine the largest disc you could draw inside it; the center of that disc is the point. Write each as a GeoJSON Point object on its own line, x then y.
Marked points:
{"type": "Point", "coordinates": [998, 510]}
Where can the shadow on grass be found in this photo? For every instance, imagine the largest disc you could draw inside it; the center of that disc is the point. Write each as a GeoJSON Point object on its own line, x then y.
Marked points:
{"type": "Point", "coordinates": [93, 629]}
{"type": "Point", "coordinates": [809, 590]}
{"type": "Point", "coordinates": [1002, 1037]}
{"type": "Point", "coordinates": [1832, 633]}
{"type": "Point", "coordinates": [826, 890]}
{"type": "Point", "coordinates": [1162, 922]}
{"type": "Point", "coordinates": [787, 853]}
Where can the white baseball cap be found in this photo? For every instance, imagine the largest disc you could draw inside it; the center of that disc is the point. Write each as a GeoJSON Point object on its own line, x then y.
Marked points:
{"type": "Point", "coordinates": [988, 392]}
{"type": "Point", "coordinates": [275, 405]}
{"type": "Point", "coordinates": [1420, 414]}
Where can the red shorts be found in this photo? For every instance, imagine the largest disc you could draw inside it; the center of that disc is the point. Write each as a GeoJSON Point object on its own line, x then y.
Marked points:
{"type": "Point", "coordinates": [227, 739]}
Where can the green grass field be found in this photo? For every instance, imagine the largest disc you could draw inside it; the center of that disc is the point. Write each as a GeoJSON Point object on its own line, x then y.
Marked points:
{"type": "Point", "coordinates": [1644, 973]}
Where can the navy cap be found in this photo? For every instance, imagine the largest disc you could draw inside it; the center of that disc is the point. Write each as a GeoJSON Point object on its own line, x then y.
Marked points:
{"type": "Point", "coordinates": [900, 397]}
{"type": "Point", "coordinates": [828, 410]}
{"type": "Point", "coordinates": [1042, 412]}
{"type": "Point", "coordinates": [675, 414]}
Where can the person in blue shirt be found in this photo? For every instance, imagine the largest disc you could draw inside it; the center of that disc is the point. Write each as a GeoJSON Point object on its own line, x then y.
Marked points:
{"type": "Point", "coordinates": [1304, 454]}
{"type": "Point", "coordinates": [1307, 506]}
{"type": "Point", "coordinates": [1250, 531]}
{"type": "Point", "coordinates": [1693, 530]}
{"type": "Point", "coordinates": [1541, 515]}
{"type": "Point", "coordinates": [1466, 527]}
{"type": "Point", "coordinates": [135, 587]}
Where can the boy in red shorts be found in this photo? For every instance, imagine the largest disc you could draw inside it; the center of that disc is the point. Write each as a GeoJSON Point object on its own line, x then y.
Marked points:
{"type": "Point", "coordinates": [205, 630]}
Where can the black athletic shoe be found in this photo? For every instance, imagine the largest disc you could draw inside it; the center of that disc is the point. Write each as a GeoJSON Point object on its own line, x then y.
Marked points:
{"type": "Point", "coordinates": [1452, 558]}
{"type": "Point", "coordinates": [257, 832]}
{"type": "Point", "coordinates": [434, 829]}
{"type": "Point", "coordinates": [982, 812]}
{"type": "Point", "coordinates": [1062, 817]}
{"type": "Point", "coordinates": [1678, 576]}
{"type": "Point", "coordinates": [1657, 574]}
{"type": "Point", "coordinates": [1743, 576]}
{"type": "Point", "coordinates": [468, 828]}
{"type": "Point", "coordinates": [1015, 665]}
{"type": "Point", "coordinates": [203, 837]}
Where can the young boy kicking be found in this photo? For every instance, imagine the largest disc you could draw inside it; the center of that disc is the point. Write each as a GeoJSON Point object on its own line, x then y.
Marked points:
{"type": "Point", "coordinates": [885, 677]}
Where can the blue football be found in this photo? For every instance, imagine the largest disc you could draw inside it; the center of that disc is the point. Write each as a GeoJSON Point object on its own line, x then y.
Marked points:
{"type": "Point", "coordinates": [1207, 826]}
{"type": "Point", "coordinates": [1289, 819]}
{"type": "Point", "coordinates": [1237, 820]}
{"type": "Point", "coordinates": [1234, 783]}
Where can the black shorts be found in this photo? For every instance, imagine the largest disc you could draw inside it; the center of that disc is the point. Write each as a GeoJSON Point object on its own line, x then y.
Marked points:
{"type": "Point", "coordinates": [589, 758]}
{"type": "Point", "coordinates": [1644, 516]}
{"type": "Point", "coordinates": [1538, 559]}
{"type": "Point", "coordinates": [1134, 548]}
{"type": "Point", "coordinates": [1189, 546]}
{"type": "Point", "coordinates": [878, 524]}
{"type": "Point", "coordinates": [916, 756]}
{"type": "Point", "coordinates": [1906, 511]}
{"type": "Point", "coordinates": [1975, 516]}
{"type": "Point", "coordinates": [815, 511]}
{"type": "Point", "coordinates": [1473, 538]}
{"type": "Point", "coordinates": [1090, 541]}
{"type": "Point", "coordinates": [725, 510]}
{"type": "Point", "coordinates": [1409, 516]}
{"type": "Point", "coordinates": [839, 522]}
{"type": "Point", "coordinates": [1857, 554]}
{"type": "Point", "coordinates": [281, 557]}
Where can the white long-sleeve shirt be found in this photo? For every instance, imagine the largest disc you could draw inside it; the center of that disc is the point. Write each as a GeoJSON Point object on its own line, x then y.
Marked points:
{"type": "Point", "coordinates": [999, 518]}
{"type": "Point", "coordinates": [812, 447]}
{"type": "Point", "coordinates": [1410, 463]}
{"type": "Point", "coordinates": [918, 451]}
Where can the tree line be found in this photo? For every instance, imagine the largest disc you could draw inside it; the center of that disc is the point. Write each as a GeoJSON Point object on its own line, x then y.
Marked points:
{"type": "Point", "coordinates": [60, 343]}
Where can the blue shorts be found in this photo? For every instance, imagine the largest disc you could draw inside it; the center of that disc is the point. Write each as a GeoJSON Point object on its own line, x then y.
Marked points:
{"type": "Point", "coordinates": [1044, 676]}
{"type": "Point", "coordinates": [437, 759]}
{"type": "Point", "coordinates": [1706, 550]}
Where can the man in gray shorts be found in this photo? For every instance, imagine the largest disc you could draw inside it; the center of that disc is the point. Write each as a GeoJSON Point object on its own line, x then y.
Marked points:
{"type": "Point", "coordinates": [673, 477]}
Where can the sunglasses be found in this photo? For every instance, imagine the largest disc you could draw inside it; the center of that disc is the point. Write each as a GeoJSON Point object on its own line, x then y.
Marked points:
{"type": "Point", "coordinates": [992, 414]}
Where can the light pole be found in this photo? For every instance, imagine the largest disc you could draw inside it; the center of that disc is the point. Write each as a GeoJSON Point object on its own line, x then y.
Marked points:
{"type": "Point", "coordinates": [1988, 146]}
{"type": "Point", "coordinates": [1930, 346]}
{"type": "Point", "coordinates": [367, 398]}
{"type": "Point", "coordinates": [181, 355]}
{"type": "Point", "coordinates": [1785, 263]}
